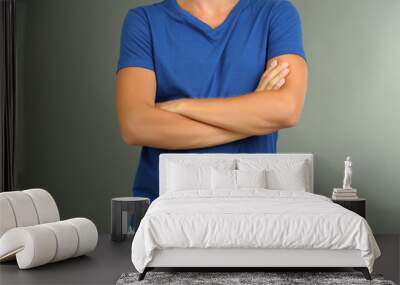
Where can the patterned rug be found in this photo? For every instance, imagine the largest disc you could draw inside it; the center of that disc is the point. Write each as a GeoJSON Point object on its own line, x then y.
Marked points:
{"type": "Point", "coordinates": [253, 278]}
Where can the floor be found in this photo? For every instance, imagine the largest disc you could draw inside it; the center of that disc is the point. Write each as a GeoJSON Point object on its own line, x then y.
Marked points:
{"type": "Point", "coordinates": [110, 259]}
{"type": "Point", "coordinates": [102, 266]}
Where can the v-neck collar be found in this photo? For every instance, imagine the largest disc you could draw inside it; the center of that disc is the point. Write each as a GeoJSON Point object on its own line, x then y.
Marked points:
{"type": "Point", "coordinates": [199, 23]}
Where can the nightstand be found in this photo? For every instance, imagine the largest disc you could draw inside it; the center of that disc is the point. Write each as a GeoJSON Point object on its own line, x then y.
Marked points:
{"type": "Point", "coordinates": [358, 205]}
{"type": "Point", "coordinates": [126, 214]}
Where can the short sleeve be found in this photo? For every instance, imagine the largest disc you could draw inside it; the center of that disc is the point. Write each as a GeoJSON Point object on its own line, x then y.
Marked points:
{"type": "Point", "coordinates": [285, 35]}
{"type": "Point", "coordinates": [136, 42]}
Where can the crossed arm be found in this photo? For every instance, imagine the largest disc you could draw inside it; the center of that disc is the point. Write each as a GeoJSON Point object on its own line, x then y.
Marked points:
{"type": "Point", "coordinates": [142, 123]}
{"type": "Point", "coordinates": [196, 123]}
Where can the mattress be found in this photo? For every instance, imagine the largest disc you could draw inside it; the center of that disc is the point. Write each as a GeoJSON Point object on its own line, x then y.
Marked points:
{"type": "Point", "coordinates": [250, 218]}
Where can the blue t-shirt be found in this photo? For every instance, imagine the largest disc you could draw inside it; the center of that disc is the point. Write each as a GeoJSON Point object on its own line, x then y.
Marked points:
{"type": "Point", "coordinates": [193, 60]}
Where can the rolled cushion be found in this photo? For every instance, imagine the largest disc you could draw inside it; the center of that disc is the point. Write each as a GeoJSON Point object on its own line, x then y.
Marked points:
{"type": "Point", "coordinates": [23, 208]}
{"type": "Point", "coordinates": [33, 246]}
{"type": "Point", "coordinates": [26, 208]}
{"type": "Point", "coordinates": [7, 219]}
{"type": "Point", "coordinates": [67, 239]}
{"type": "Point", "coordinates": [87, 234]}
{"type": "Point", "coordinates": [45, 205]}
{"type": "Point", "coordinates": [40, 244]}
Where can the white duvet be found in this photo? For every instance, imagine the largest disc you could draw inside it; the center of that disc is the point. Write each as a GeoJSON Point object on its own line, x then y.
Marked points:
{"type": "Point", "coordinates": [252, 218]}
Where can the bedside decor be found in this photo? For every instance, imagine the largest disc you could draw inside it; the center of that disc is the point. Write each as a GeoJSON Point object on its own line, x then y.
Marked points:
{"type": "Point", "coordinates": [347, 173]}
{"type": "Point", "coordinates": [126, 214]}
{"type": "Point", "coordinates": [347, 192]}
{"type": "Point", "coordinates": [344, 194]}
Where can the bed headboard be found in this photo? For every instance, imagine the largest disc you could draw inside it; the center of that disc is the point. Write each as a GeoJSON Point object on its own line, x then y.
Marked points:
{"type": "Point", "coordinates": [165, 157]}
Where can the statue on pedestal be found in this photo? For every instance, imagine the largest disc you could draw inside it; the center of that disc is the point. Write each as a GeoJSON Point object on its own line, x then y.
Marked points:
{"type": "Point", "coordinates": [347, 174]}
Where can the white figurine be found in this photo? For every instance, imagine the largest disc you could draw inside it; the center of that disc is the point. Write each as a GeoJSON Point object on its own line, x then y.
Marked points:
{"type": "Point", "coordinates": [347, 173]}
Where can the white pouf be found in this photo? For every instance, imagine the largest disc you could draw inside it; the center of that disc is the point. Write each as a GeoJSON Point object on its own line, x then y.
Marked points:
{"type": "Point", "coordinates": [31, 231]}
{"type": "Point", "coordinates": [40, 244]}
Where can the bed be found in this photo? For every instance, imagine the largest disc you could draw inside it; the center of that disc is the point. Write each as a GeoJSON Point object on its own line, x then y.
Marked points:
{"type": "Point", "coordinates": [245, 211]}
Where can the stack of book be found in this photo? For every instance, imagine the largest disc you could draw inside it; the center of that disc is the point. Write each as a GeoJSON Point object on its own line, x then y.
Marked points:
{"type": "Point", "coordinates": [344, 194]}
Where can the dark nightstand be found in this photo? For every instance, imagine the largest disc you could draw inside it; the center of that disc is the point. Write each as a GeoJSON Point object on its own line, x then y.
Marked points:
{"type": "Point", "coordinates": [358, 205]}
{"type": "Point", "coordinates": [126, 214]}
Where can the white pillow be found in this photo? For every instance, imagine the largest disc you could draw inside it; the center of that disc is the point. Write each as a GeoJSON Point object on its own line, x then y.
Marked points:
{"type": "Point", "coordinates": [287, 174]}
{"type": "Point", "coordinates": [251, 178]}
{"type": "Point", "coordinates": [228, 179]}
{"type": "Point", "coordinates": [290, 179]}
{"type": "Point", "coordinates": [188, 175]}
{"type": "Point", "coordinates": [223, 179]}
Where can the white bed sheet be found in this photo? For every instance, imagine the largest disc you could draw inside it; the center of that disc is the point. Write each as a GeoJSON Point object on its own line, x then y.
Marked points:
{"type": "Point", "coordinates": [250, 218]}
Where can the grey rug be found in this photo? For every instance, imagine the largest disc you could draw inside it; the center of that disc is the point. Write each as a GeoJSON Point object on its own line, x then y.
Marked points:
{"type": "Point", "coordinates": [233, 278]}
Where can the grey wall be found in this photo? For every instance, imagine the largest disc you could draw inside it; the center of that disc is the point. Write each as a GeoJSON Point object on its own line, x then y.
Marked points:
{"type": "Point", "coordinates": [68, 131]}
{"type": "Point", "coordinates": [352, 103]}
{"type": "Point", "coordinates": [70, 142]}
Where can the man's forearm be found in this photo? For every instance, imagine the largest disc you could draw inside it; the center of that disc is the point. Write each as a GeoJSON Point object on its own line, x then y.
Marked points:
{"type": "Point", "coordinates": [154, 127]}
{"type": "Point", "coordinates": [253, 114]}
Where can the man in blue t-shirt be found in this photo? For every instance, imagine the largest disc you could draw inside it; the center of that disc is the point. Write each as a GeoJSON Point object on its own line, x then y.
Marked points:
{"type": "Point", "coordinates": [208, 77]}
